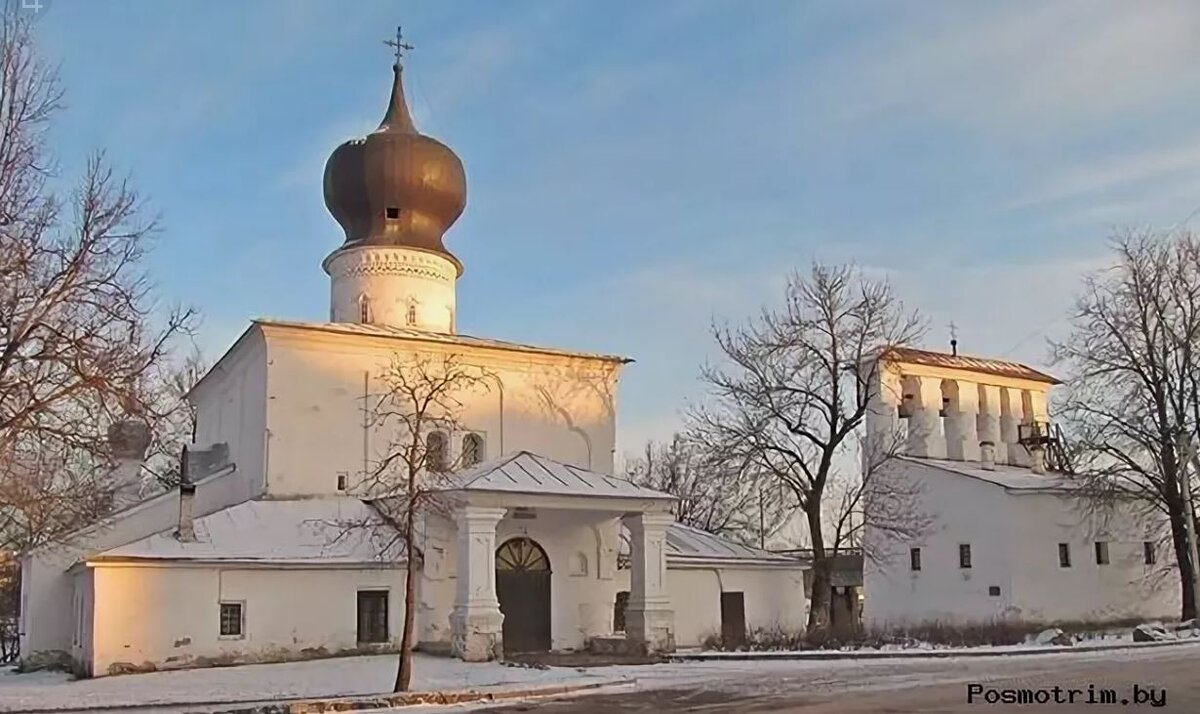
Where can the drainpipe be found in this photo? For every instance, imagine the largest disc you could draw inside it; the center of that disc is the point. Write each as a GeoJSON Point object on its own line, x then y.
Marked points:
{"type": "Point", "coordinates": [186, 531]}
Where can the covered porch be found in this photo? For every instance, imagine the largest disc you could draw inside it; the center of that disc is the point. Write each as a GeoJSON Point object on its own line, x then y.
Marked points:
{"type": "Point", "coordinates": [535, 551]}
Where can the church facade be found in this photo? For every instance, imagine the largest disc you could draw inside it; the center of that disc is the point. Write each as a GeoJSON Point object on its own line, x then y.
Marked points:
{"type": "Point", "coordinates": [254, 558]}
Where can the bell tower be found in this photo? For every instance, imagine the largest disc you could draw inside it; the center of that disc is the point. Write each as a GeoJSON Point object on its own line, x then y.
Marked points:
{"type": "Point", "coordinates": [395, 192]}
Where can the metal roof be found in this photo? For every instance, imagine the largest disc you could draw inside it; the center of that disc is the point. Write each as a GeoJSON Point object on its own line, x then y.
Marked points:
{"type": "Point", "coordinates": [1002, 368]}
{"type": "Point", "coordinates": [687, 545]}
{"type": "Point", "coordinates": [332, 531]}
{"type": "Point", "coordinates": [408, 333]}
{"type": "Point", "coordinates": [1015, 478]}
{"type": "Point", "coordinates": [526, 472]}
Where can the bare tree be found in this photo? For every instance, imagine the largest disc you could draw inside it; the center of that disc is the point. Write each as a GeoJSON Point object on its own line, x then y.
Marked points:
{"type": "Point", "coordinates": [1133, 394]}
{"type": "Point", "coordinates": [796, 389]}
{"type": "Point", "coordinates": [418, 409]}
{"type": "Point", "coordinates": [714, 495]}
{"type": "Point", "coordinates": [80, 329]}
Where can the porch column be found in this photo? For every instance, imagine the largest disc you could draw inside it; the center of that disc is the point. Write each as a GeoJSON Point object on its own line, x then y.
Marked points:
{"type": "Point", "coordinates": [475, 624]}
{"type": "Point", "coordinates": [649, 619]}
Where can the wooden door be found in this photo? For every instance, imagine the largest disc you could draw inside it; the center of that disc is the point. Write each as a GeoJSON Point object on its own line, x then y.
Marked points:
{"type": "Point", "coordinates": [523, 589]}
{"type": "Point", "coordinates": [733, 620]}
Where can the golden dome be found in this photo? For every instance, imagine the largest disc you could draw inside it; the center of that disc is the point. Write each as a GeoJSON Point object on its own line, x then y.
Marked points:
{"type": "Point", "coordinates": [395, 186]}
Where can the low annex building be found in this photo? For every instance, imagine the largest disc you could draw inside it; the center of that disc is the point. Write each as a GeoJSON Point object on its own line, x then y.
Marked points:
{"type": "Point", "coordinates": [270, 551]}
{"type": "Point", "coordinates": [1006, 532]}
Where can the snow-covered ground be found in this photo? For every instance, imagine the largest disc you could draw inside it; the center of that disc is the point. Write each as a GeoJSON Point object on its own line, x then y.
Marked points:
{"type": "Point", "coordinates": [338, 677]}
{"type": "Point", "coordinates": [44, 691]}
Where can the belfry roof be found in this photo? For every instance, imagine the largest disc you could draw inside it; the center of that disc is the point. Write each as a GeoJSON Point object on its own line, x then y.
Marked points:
{"type": "Point", "coordinates": [1002, 368]}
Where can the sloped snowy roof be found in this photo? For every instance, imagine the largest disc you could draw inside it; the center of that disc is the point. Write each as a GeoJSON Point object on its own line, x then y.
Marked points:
{"type": "Point", "coordinates": [1003, 368]}
{"type": "Point", "coordinates": [408, 333]}
{"type": "Point", "coordinates": [526, 472]}
{"type": "Point", "coordinates": [687, 545]}
{"type": "Point", "coordinates": [331, 531]}
{"type": "Point", "coordinates": [1017, 478]}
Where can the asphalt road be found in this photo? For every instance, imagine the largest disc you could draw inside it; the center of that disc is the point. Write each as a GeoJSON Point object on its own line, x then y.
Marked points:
{"type": "Point", "coordinates": [1165, 679]}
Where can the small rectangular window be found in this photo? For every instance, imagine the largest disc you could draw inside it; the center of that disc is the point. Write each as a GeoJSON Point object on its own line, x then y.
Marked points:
{"type": "Point", "coordinates": [964, 555]}
{"type": "Point", "coordinates": [1064, 555]}
{"type": "Point", "coordinates": [341, 482]}
{"type": "Point", "coordinates": [1101, 553]}
{"type": "Point", "coordinates": [914, 559]}
{"type": "Point", "coordinates": [231, 619]}
{"type": "Point", "coordinates": [393, 212]}
{"type": "Point", "coordinates": [994, 590]}
{"type": "Point", "coordinates": [372, 616]}
{"type": "Point", "coordinates": [1148, 553]}
{"type": "Point", "coordinates": [619, 608]}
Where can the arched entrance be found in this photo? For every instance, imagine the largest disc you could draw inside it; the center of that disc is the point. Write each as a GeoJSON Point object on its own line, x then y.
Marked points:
{"type": "Point", "coordinates": [523, 588]}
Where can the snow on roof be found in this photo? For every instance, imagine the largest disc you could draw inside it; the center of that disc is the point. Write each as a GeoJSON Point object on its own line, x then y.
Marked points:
{"type": "Point", "coordinates": [408, 333]}
{"type": "Point", "coordinates": [333, 531]}
{"type": "Point", "coordinates": [1017, 478]}
{"type": "Point", "coordinates": [688, 545]}
{"type": "Point", "coordinates": [526, 472]}
{"type": "Point", "coordinates": [1003, 368]}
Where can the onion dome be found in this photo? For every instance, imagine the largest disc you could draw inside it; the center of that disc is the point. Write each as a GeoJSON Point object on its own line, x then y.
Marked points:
{"type": "Point", "coordinates": [396, 187]}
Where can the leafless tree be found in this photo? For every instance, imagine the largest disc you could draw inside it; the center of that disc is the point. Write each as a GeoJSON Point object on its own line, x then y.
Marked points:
{"type": "Point", "coordinates": [795, 390]}
{"type": "Point", "coordinates": [714, 495]}
{"type": "Point", "coordinates": [172, 418]}
{"type": "Point", "coordinates": [1133, 359]}
{"type": "Point", "coordinates": [874, 499]}
{"type": "Point", "coordinates": [418, 408]}
{"type": "Point", "coordinates": [80, 328]}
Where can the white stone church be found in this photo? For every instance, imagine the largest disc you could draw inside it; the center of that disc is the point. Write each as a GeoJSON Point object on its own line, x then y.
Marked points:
{"type": "Point", "coordinates": [248, 562]}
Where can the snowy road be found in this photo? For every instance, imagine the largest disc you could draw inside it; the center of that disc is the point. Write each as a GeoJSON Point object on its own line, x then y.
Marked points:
{"type": "Point", "coordinates": [933, 686]}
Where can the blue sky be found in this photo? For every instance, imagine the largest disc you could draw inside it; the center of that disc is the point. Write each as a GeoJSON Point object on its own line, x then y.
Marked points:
{"type": "Point", "coordinates": [636, 169]}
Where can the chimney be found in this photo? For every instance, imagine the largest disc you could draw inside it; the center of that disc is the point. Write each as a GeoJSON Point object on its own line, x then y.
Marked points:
{"type": "Point", "coordinates": [987, 456]}
{"type": "Point", "coordinates": [1037, 454]}
{"type": "Point", "coordinates": [187, 494]}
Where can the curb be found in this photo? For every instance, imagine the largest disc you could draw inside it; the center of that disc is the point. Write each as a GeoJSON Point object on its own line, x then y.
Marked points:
{"type": "Point", "coordinates": [819, 655]}
{"type": "Point", "coordinates": [406, 699]}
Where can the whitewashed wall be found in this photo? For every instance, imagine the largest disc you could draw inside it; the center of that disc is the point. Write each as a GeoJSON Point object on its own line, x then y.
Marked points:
{"type": "Point", "coordinates": [560, 407]}
{"type": "Point", "coordinates": [1014, 540]}
{"type": "Point", "coordinates": [169, 616]}
{"type": "Point", "coordinates": [46, 586]}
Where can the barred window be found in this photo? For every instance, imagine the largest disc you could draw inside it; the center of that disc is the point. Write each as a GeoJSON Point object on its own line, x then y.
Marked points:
{"type": "Point", "coordinates": [372, 616]}
{"type": "Point", "coordinates": [435, 452]}
{"type": "Point", "coordinates": [472, 449]}
{"type": "Point", "coordinates": [1064, 555]}
{"type": "Point", "coordinates": [964, 555]}
{"type": "Point", "coordinates": [914, 559]}
{"type": "Point", "coordinates": [231, 619]}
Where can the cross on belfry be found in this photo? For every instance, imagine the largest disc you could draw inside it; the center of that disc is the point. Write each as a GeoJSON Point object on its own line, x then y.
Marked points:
{"type": "Point", "coordinates": [398, 44]}
{"type": "Point", "coordinates": [953, 338]}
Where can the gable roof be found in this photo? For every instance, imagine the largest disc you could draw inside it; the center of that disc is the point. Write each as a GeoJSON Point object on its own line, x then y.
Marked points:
{"type": "Point", "coordinates": [317, 531]}
{"type": "Point", "coordinates": [409, 333]}
{"type": "Point", "coordinates": [1002, 368]}
{"type": "Point", "coordinates": [527, 472]}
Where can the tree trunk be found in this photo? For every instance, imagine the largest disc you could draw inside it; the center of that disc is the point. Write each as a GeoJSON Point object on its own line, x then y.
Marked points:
{"type": "Point", "coordinates": [1183, 555]}
{"type": "Point", "coordinates": [818, 613]}
{"type": "Point", "coordinates": [404, 673]}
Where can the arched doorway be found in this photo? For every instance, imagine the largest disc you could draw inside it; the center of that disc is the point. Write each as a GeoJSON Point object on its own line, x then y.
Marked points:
{"type": "Point", "coordinates": [523, 588]}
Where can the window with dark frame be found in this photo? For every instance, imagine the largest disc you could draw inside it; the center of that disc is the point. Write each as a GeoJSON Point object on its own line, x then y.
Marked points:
{"type": "Point", "coordinates": [1149, 555]}
{"type": "Point", "coordinates": [372, 616]}
{"type": "Point", "coordinates": [231, 619]}
{"type": "Point", "coordinates": [914, 559]}
{"type": "Point", "coordinates": [964, 555]}
{"type": "Point", "coordinates": [994, 591]}
{"type": "Point", "coordinates": [341, 482]}
{"type": "Point", "coordinates": [1101, 553]}
{"type": "Point", "coordinates": [392, 212]}
{"type": "Point", "coordinates": [472, 449]}
{"type": "Point", "coordinates": [435, 452]}
{"type": "Point", "coordinates": [1064, 555]}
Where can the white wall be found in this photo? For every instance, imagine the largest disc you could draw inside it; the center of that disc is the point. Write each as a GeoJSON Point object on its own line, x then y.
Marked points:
{"type": "Point", "coordinates": [1014, 538]}
{"type": "Point", "coordinates": [46, 586]}
{"type": "Point", "coordinates": [773, 597]}
{"type": "Point", "coordinates": [559, 407]}
{"type": "Point", "coordinates": [169, 616]}
{"type": "Point", "coordinates": [967, 511]}
{"type": "Point", "coordinates": [231, 408]}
